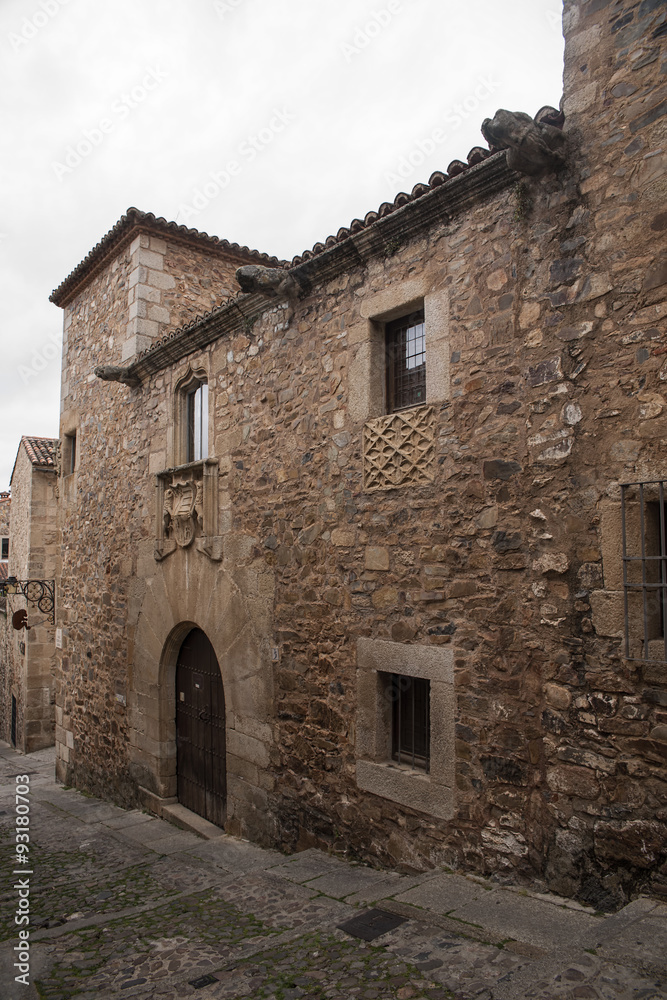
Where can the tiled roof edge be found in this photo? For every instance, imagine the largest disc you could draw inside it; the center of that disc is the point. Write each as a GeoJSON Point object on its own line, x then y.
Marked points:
{"type": "Point", "coordinates": [40, 450]}
{"type": "Point", "coordinates": [32, 446]}
{"type": "Point", "coordinates": [546, 115]}
{"type": "Point", "coordinates": [438, 204]}
{"type": "Point", "coordinates": [445, 194]}
{"type": "Point", "coordinates": [124, 231]}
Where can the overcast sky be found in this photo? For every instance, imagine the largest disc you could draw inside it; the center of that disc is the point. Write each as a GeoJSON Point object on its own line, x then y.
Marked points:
{"type": "Point", "coordinates": [323, 108]}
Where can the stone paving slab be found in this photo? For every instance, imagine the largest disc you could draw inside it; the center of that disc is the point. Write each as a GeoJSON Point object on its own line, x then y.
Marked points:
{"type": "Point", "coordinates": [127, 819]}
{"type": "Point", "coordinates": [443, 893]}
{"type": "Point", "coordinates": [340, 884]}
{"type": "Point", "coordinates": [457, 963]}
{"type": "Point", "coordinates": [390, 885]}
{"type": "Point", "coordinates": [641, 944]}
{"type": "Point", "coordinates": [509, 915]}
{"type": "Point", "coordinates": [310, 864]}
{"type": "Point", "coordinates": [169, 843]}
{"type": "Point", "coordinates": [233, 855]}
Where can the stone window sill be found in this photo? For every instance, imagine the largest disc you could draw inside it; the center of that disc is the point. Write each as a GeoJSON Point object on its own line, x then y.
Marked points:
{"type": "Point", "coordinates": [408, 786]}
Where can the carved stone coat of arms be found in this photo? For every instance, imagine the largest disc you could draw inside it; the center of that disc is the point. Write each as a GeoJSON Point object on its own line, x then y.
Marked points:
{"type": "Point", "coordinates": [182, 511]}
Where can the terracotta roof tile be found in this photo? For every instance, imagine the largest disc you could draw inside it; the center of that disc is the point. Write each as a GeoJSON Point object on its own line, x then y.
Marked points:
{"type": "Point", "coordinates": [548, 115]}
{"type": "Point", "coordinates": [41, 451]}
{"type": "Point", "coordinates": [476, 155]}
{"type": "Point", "coordinates": [124, 231]}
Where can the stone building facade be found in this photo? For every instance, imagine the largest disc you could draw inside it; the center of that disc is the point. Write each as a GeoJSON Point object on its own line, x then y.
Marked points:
{"type": "Point", "coordinates": [27, 656]}
{"type": "Point", "coordinates": [5, 509]}
{"type": "Point", "coordinates": [240, 468]}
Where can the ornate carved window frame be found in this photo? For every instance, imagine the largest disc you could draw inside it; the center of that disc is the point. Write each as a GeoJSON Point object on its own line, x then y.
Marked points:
{"type": "Point", "coordinates": [433, 792]}
{"type": "Point", "coordinates": [194, 377]}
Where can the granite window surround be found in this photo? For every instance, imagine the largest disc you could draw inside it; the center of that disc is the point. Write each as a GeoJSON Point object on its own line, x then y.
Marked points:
{"type": "Point", "coordinates": [366, 337]}
{"type": "Point", "coordinates": [191, 403]}
{"type": "Point", "coordinates": [433, 792]}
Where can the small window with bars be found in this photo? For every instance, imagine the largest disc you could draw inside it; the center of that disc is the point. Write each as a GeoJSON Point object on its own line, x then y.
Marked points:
{"type": "Point", "coordinates": [644, 526]}
{"type": "Point", "coordinates": [406, 362]}
{"type": "Point", "coordinates": [5, 548]}
{"type": "Point", "coordinates": [410, 720]}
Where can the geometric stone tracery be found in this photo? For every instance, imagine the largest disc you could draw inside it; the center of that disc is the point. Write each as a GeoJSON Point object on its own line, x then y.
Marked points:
{"type": "Point", "coordinates": [399, 449]}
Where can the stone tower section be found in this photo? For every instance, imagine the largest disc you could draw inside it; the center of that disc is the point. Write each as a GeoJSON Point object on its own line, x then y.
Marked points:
{"type": "Point", "coordinates": [145, 279]}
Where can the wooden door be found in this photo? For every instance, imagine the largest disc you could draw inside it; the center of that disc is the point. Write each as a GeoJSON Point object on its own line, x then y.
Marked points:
{"type": "Point", "coordinates": [200, 729]}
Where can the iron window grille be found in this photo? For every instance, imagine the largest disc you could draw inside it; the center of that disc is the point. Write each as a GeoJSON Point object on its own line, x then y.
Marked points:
{"type": "Point", "coordinates": [5, 549]}
{"type": "Point", "coordinates": [406, 362]}
{"type": "Point", "coordinates": [643, 522]}
{"type": "Point", "coordinates": [197, 403]}
{"type": "Point", "coordinates": [411, 720]}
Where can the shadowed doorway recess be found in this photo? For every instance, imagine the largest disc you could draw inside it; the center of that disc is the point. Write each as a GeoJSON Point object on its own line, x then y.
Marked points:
{"type": "Point", "coordinates": [200, 729]}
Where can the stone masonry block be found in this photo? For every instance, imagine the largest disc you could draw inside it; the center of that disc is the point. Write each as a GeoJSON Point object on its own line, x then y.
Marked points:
{"type": "Point", "coordinates": [148, 258]}
{"type": "Point", "coordinates": [133, 347]}
{"type": "Point", "coordinates": [159, 280]}
{"type": "Point", "coordinates": [147, 292]}
{"type": "Point", "coordinates": [608, 612]}
{"type": "Point", "coordinates": [138, 309]}
{"type": "Point", "coordinates": [248, 748]}
{"type": "Point", "coordinates": [158, 313]}
{"type": "Point", "coordinates": [146, 326]}
{"type": "Point", "coordinates": [138, 275]}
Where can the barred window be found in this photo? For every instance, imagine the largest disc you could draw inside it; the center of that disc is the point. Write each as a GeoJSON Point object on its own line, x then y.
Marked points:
{"type": "Point", "coordinates": [644, 522]}
{"type": "Point", "coordinates": [411, 720]}
{"type": "Point", "coordinates": [406, 362]}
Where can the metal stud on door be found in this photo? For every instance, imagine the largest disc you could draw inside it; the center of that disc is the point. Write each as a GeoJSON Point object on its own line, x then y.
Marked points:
{"type": "Point", "coordinates": [200, 729]}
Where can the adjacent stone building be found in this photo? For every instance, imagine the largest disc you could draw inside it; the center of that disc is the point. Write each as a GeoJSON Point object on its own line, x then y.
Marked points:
{"type": "Point", "coordinates": [5, 508]}
{"type": "Point", "coordinates": [371, 554]}
{"type": "Point", "coordinates": [27, 656]}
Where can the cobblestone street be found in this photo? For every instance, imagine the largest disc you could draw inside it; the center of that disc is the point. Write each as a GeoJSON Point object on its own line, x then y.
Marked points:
{"type": "Point", "coordinates": [126, 905]}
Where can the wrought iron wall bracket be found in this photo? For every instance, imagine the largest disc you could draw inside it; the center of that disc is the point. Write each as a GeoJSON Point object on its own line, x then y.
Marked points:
{"type": "Point", "coordinates": [40, 593]}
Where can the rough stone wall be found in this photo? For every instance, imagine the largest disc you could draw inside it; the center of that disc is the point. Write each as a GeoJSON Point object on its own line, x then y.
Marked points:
{"type": "Point", "coordinates": [15, 644]}
{"type": "Point", "coordinates": [556, 347]}
{"type": "Point", "coordinates": [40, 640]}
{"type": "Point", "coordinates": [5, 507]}
{"type": "Point", "coordinates": [28, 656]}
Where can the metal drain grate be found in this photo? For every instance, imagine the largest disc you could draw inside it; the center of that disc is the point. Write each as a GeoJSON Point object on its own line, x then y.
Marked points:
{"type": "Point", "coordinates": [203, 981]}
{"type": "Point", "coordinates": [372, 924]}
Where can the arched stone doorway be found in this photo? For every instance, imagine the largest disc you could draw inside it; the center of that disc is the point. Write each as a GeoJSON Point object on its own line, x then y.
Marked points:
{"type": "Point", "coordinates": [200, 729]}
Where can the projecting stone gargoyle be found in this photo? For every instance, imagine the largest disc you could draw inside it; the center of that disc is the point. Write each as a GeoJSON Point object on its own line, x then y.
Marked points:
{"type": "Point", "coordinates": [114, 373]}
{"type": "Point", "coordinates": [532, 147]}
{"type": "Point", "coordinates": [271, 282]}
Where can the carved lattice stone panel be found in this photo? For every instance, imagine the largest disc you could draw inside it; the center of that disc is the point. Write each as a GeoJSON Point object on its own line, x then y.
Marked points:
{"type": "Point", "coordinates": [399, 449]}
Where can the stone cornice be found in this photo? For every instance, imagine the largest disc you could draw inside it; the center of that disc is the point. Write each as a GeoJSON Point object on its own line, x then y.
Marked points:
{"type": "Point", "coordinates": [438, 207]}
